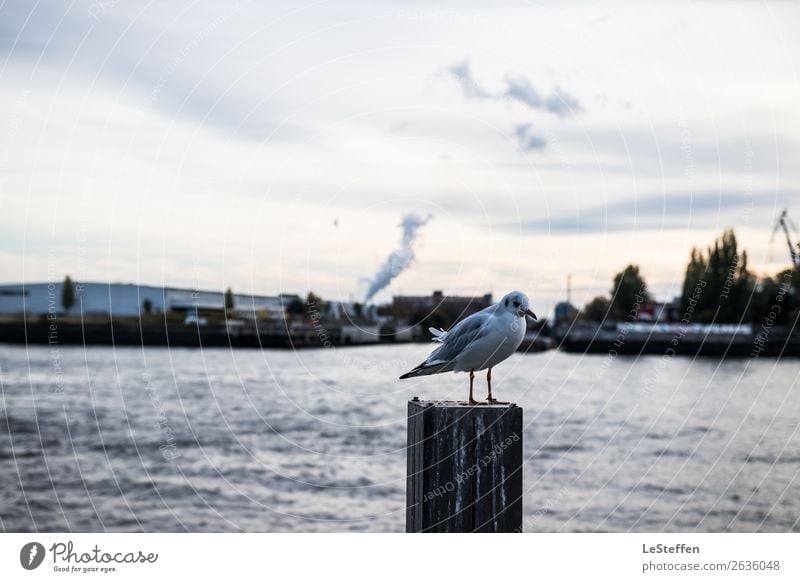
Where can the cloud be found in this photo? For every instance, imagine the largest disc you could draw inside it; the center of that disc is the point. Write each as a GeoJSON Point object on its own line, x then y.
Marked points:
{"type": "Point", "coordinates": [469, 86]}
{"type": "Point", "coordinates": [159, 67]}
{"type": "Point", "coordinates": [520, 89]}
{"type": "Point", "coordinates": [654, 212]}
{"type": "Point", "coordinates": [562, 103]}
{"type": "Point", "coordinates": [528, 141]}
{"type": "Point", "coordinates": [558, 101]}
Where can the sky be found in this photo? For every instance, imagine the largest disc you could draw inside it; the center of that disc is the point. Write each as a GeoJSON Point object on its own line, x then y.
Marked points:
{"type": "Point", "coordinates": [276, 147]}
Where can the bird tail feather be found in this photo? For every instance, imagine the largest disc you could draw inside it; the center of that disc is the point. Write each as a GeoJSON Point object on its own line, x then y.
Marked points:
{"type": "Point", "coordinates": [428, 368]}
{"type": "Point", "coordinates": [438, 334]}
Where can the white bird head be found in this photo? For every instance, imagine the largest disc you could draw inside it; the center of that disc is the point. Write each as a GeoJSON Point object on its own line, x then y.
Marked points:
{"type": "Point", "coordinates": [517, 303]}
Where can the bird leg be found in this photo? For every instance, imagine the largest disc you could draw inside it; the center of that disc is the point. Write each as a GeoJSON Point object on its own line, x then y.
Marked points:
{"type": "Point", "coordinates": [489, 398]}
{"type": "Point", "coordinates": [472, 401]}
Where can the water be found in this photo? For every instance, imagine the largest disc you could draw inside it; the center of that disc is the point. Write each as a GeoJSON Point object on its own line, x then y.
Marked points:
{"type": "Point", "coordinates": [184, 440]}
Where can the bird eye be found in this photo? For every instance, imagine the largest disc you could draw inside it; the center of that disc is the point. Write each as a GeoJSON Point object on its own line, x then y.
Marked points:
{"type": "Point", "coordinates": [516, 303]}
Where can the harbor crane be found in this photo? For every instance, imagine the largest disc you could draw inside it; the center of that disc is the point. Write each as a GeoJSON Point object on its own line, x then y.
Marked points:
{"type": "Point", "coordinates": [784, 223]}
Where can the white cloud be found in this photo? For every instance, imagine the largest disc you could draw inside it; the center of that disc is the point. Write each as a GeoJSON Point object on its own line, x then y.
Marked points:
{"type": "Point", "coordinates": [527, 140]}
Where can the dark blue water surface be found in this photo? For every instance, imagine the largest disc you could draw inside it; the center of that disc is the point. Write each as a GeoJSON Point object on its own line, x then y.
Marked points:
{"type": "Point", "coordinates": [154, 439]}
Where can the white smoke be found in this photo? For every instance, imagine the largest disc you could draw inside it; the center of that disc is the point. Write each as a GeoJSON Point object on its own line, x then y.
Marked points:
{"type": "Point", "coordinates": [399, 259]}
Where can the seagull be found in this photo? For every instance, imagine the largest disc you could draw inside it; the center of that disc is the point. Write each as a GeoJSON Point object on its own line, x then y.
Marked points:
{"type": "Point", "coordinates": [480, 341]}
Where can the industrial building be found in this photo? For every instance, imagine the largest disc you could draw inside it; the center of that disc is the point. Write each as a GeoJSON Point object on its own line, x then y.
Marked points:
{"type": "Point", "coordinates": [462, 306]}
{"type": "Point", "coordinates": [130, 300]}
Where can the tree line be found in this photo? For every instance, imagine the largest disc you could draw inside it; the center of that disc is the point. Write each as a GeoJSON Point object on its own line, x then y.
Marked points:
{"type": "Point", "coordinates": [717, 287]}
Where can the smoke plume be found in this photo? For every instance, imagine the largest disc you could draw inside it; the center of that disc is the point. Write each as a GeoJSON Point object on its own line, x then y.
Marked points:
{"type": "Point", "coordinates": [399, 259]}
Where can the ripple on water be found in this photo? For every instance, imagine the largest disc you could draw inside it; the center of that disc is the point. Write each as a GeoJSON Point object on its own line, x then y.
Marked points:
{"type": "Point", "coordinates": [315, 441]}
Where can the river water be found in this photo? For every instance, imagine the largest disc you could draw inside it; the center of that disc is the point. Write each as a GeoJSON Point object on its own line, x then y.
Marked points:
{"type": "Point", "coordinates": [153, 439]}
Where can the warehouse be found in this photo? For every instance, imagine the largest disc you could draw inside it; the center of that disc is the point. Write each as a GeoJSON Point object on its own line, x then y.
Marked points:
{"type": "Point", "coordinates": [128, 300]}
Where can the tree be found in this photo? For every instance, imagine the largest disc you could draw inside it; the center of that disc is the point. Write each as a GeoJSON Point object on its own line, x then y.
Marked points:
{"type": "Point", "coordinates": [596, 309]}
{"type": "Point", "coordinates": [67, 294]}
{"type": "Point", "coordinates": [781, 290]}
{"type": "Point", "coordinates": [694, 283]}
{"type": "Point", "coordinates": [295, 307]}
{"type": "Point", "coordinates": [315, 301]}
{"type": "Point", "coordinates": [741, 291]}
{"type": "Point", "coordinates": [147, 306]}
{"type": "Point", "coordinates": [228, 299]}
{"type": "Point", "coordinates": [629, 293]}
{"type": "Point", "coordinates": [718, 287]}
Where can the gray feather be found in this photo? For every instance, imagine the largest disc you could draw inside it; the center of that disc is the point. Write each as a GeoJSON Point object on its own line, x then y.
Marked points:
{"type": "Point", "coordinates": [454, 341]}
{"type": "Point", "coordinates": [459, 337]}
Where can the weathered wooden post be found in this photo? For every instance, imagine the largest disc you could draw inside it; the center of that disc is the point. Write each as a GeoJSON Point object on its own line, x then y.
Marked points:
{"type": "Point", "coordinates": [464, 467]}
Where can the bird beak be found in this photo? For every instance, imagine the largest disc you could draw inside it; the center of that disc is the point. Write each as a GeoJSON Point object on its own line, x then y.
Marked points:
{"type": "Point", "coordinates": [531, 313]}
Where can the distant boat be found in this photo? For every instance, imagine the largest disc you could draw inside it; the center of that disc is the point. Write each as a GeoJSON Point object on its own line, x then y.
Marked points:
{"type": "Point", "coordinates": [696, 339]}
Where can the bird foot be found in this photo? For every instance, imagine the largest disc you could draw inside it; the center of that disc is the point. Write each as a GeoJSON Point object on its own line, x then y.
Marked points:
{"type": "Point", "coordinates": [491, 400]}
{"type": "Point", "coordinates": [473, 402]}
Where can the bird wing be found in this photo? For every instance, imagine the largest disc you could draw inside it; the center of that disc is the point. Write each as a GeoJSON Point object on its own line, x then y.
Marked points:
{"type": "Point", "coordinates": [442, 359]}
{"type": "Point", "coordinates": [459, 337]}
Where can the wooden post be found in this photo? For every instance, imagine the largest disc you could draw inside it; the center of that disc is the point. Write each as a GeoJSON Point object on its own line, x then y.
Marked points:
{"type": "Point", "coordinates": [464, 470]}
